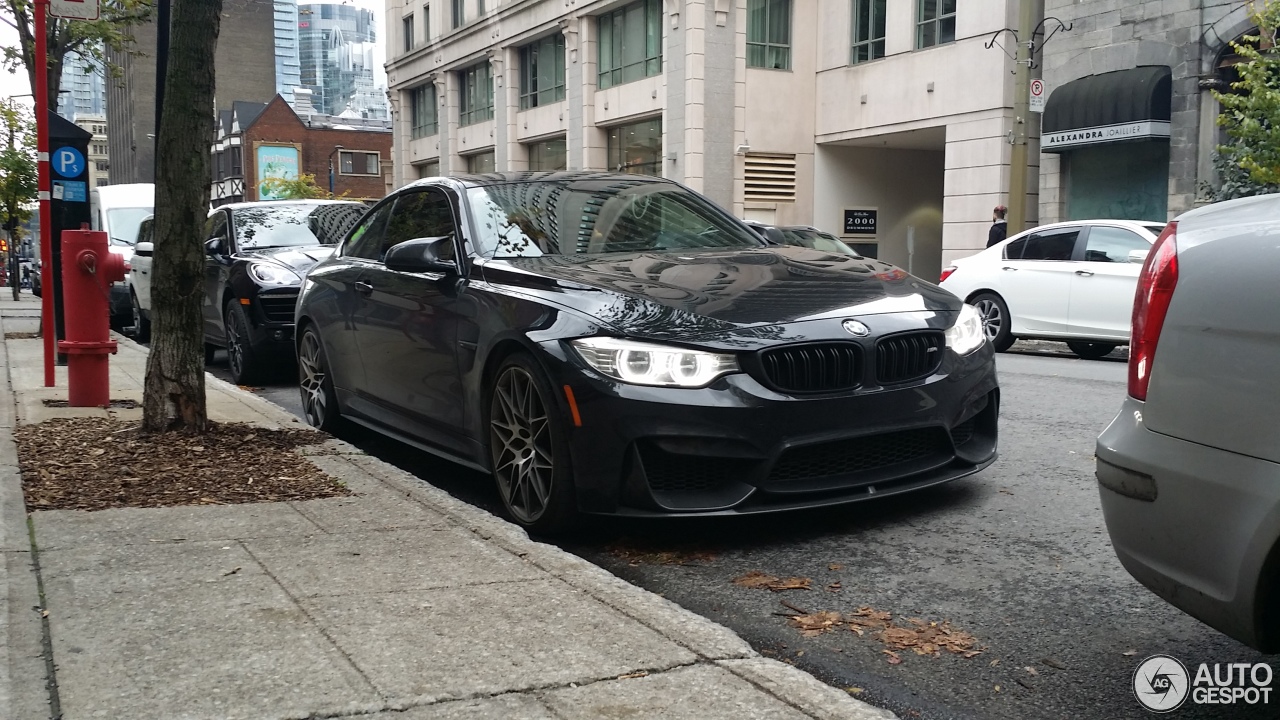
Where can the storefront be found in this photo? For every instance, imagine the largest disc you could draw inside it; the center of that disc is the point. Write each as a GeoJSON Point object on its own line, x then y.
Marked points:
{"type": "Point", "coordinates": [1111, 131]}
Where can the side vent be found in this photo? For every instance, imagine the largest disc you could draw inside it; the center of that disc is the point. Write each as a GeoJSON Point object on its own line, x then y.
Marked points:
{"type": "Point", "coordinates": [770, 178]}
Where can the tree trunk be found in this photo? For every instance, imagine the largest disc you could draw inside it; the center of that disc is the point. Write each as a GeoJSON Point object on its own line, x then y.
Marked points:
{"type": "Point", "coordinates": [174, 394]}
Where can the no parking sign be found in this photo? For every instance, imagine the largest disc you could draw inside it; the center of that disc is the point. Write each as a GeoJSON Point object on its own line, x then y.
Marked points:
{"type": "Point", "coordinates": [1037, 96]}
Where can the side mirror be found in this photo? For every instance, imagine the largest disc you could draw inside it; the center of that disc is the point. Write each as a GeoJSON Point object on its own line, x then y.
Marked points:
{"type": "Point", "coordinates": [144, 249]}
{"type": "Point", "coordinates": [423, 255]}
{"type": "Point", "coordinates": [1138, 256]}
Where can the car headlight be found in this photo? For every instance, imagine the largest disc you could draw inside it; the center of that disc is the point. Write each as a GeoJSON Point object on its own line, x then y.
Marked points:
{"type": "Point", "coordinates": [642, 363]}
{"type": "Point", "coordinates": [967, 334]}
{"type": "Point", "coordinates": [272, 274]}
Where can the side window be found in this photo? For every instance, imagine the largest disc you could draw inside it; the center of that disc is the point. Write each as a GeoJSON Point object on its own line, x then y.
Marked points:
{"type": "Point", "coordinates": [146, 231]}
{"type": "Point", "coordinates": [1111, 244]}
{"type": "Point", "coordinates": [366, 239]}
{"type": "Point", "coordinates": [1013, 251]}
{"type": "Point", "coordinates": [216, 226]}
{"type": "Point", "coordinates": [424, 214]}
{"type": "Point", "coordinates": [1051, 245]}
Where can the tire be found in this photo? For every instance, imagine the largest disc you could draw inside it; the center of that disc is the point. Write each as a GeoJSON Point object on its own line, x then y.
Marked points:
{"type": "Point", "coordinates": [242, 361]}
{"type": "Point", "coordinates": [209, 350]}
{"type": "Point", "coordinates": [995, 319]}
{"type": "Point", "coordinates": [141, 325]}
{"type": "Point", "coordinates": [528, 449]}
{"type": "Point", "coordinates": [1092, 350]}
{"type": "Point", "coordinates": [315, 383]}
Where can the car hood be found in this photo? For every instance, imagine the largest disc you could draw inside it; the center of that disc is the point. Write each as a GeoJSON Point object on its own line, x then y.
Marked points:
{"type": "Point", "coordinates": [665, 295]}
{"type": "Point", "coordinates": [297, 259]}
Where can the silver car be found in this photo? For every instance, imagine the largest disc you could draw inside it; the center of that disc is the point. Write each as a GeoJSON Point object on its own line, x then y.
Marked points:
{"type": "Point", "coordinates": [1190, 468]}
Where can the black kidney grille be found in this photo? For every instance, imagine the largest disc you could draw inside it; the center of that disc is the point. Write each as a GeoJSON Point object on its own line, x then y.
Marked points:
{"type": "Point", "coordinates": [910, 356]}
{"type": "Point", "coordinates": [813, 368]}
{"type": "Point", "coordinates": [859, 454]}
{"type": "Point", "coordinates": [278, 308]}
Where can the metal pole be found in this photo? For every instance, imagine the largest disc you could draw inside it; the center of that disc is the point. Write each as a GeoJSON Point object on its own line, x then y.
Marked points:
{"type": "Point", "coordinates": [47, 329]}
{"type": "Point", "coordinates": [1021, 112]}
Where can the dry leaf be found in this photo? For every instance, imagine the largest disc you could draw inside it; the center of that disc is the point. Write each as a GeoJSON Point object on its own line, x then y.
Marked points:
{"type": "Point", "coordinates": [1031, 670]}
{"type": "Point", "coordinates": [997, 688]}
{"type": "Point", "coordinates": [834, 567]}
{"type": "Point", "coordinates": [833, 587]}
{"type": "Point", "coordinates": [853, 690]}
{"type": "Point", "coordinates": [757, 580]}
{"type": "Point", "coordinates": [893, 657]}
{"type": "Point", "coordinates": [44, 613]}
{"type": "Point", "coordinates": [995, 662]}
{"type": "Point", "coordinates": [97, 451]}
{"type": "Point", "coordinates": [815, 623]}
{"type": "Point", "coordinates": [1129, 653]}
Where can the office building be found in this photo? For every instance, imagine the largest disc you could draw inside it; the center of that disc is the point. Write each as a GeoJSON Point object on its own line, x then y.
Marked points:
{"type": "Point", "coordinates": [99, 159]}
{"type": "Point", "coordinates": [288, 69]}
{"type": "Point", "coordinates": [83, 87]}
{"type": "Point", "coordinates": [336, 52]}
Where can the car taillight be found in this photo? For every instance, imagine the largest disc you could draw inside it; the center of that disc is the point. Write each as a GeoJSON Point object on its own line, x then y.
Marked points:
{"type": "Point", "coordinates": [1155, 290]}
{"type": "Point", "coordinates": [947, 272]}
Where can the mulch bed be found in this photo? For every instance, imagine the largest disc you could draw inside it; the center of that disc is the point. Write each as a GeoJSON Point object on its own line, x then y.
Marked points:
{"type": "Point", "coordinates": [101, 463]}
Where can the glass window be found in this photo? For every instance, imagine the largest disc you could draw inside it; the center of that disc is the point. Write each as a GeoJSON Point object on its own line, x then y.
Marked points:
{"type": "Point", "coordinates": [422, 111]}
{"type": "Point", "coordinates": [293, 224]}
{"type": "Point", "coordinates": [769, 34]}
{"type": "Point", "coordinates": [1112, 244]}
{"type": "Point", "coordinates": [630, 43]}
{"type": "Point", "coordinates": [216, 226]}
{"type": "Point", "coordinates": [124, 223]}
{"type": "Point", "coordinates": [935, 22]}
{"type": "Point", "coordinates": [588, 216]}
{"type": "Point", "coordinates": [418, 215]}
{"type": "Point", "coordinates": [1051, 245]}
{"type": "Point", "coordinates": [366, 239]}
{"type": "Point", "coordinates": [407, 24]}
{"type": "Point", "coordinates": [359, 163]}
{"type": "Point", "coordinates": [237, 161]}
{"type": "Point", "coordinates": [542, 72]}
{"type": "Point", "coordinates": [637, 148]}
{"type": "Point", "coordinates": [1013, 251]}
{"type": "Point", "coordinates": [481, 162]}
{"type": "Point", "coordinates": [428, 170]}
{"type": "Point", "coordinates": [868, 30]}
{"type": "Point", "coordinates": [426, 21]}
{"type": "Point", "coordinates": [548, 155]}
{"type": "Point", "coordinates": [476, 101]}
{"type": "Point", "coordinates": [456, 17]}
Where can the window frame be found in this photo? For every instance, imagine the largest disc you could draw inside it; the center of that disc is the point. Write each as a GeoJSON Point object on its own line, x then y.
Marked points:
{"type": "Point", "coordinates": [530, 59]}
{"type": "Point", "coordinates": [612, 71]}
{"type": "Point", "coordinates": [543, 143]}
{"type": "Point", "coordinates": [454, 235]}
{"type": "Point", "coordinates": [1082, 248]}
{"type": "Point", "coordinates": [421, 98]}
{"type": "Point", "coordinates": [471, 158]}
{"type": "Point", "coordinates": [375, 216]}
{"type": "Point", "coordinates": [937, 21]}
{"type": "Point", "coordinates": [457, 13]}
{"type": "Point", "coordinates": [873, 43]}
{"type": "Point", "coordinates": [407, 26]}
{"type": "Point", "coordinates": [1076, 230]}
{"type": "Point", "coordinates": [469, 80]}
{"type": "Point", "coordinates": [352, 153]}
{"type": "Point", "coordinates": [767, 46]}
{"type": "Point", "coordinates": [626, 167]}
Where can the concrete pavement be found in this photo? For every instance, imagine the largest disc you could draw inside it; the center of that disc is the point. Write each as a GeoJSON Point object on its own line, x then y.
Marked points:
{"type": "Point", "coordinates": [399, 603]}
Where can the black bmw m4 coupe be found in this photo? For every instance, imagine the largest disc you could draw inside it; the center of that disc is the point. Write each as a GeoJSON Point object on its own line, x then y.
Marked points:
{"type": "Point", "coordinates": [618, 344]}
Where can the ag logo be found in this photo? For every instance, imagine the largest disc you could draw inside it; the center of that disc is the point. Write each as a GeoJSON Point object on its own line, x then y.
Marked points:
{"type": "Point", "coordinates": [1161, 683]}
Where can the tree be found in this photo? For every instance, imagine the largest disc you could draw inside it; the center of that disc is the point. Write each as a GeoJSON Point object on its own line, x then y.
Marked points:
{"type": "Point", "coordinates": [87, 38]}
{"type": "Point", "coordinates": [302, 187]}
{"type": "Point", "coordinates": [17, 177]}
{"type": "Point", "coordinates": [173, 396]}
{"type": "Point", "coordinates": [1250, 163]}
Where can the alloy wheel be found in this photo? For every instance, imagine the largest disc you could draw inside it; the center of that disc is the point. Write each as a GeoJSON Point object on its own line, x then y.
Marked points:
{"type": "Point", "coordinates": [311, 377]}
{"type": "Point", "coordinates": [235, 343]}
{"type": "Point", "coordinates": [137, 317]}
{"type": "Point", "coordinates": [520, 439]}
{"type": "Point", "coordinates": [992, 319]}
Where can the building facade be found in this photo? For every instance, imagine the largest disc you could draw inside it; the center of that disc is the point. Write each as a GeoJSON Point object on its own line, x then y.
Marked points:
{"type": "Point", "coordinates": [337, 54]}
{"type": "Point", "coordinates": [99, 159]}
{"type": "Point", "coordinates": [244, 66]}
{"type": "Point", "coordinates": [288, 69]}
{"type": "Point", "coordinates": [884, 122]}
{"type": "Point", "coordinates": [83, 84]}
{"type": "Point", "coordinates": [258, 141]}
{"type": "Point", "coordinates": [1130, 123]}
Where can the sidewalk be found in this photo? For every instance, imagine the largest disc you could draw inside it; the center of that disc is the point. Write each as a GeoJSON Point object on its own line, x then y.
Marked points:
{"type": "Point", "coordinates": [399, 603]}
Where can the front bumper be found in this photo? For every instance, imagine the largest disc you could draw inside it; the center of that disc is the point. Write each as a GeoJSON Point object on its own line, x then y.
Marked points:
{"type": "Point", "coordinates": [1193, 523]}
{"type": "Point", "coordinates": [738, 447]}
{"type": "Point", "coordinates": [271, 317]}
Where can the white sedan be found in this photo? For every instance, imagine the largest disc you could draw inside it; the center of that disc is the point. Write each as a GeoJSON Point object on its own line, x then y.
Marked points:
{"type": "Point", "coordinates": [1070, 281]}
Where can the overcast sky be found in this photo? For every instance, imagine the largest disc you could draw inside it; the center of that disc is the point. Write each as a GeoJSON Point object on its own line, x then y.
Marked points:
{"type": "Point", "coordinates": [12, 84]}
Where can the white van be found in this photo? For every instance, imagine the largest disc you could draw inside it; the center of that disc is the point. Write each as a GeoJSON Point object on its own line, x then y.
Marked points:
{"type": "Point", "coordinates": [118, 210]}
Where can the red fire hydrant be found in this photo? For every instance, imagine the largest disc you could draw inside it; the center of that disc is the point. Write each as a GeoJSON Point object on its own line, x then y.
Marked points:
{"type": "Point", "coordinates": [88, 269]}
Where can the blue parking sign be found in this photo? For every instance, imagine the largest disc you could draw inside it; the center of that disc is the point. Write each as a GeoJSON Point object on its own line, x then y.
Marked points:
{"type": "Point", "coordinates": [67, 162]}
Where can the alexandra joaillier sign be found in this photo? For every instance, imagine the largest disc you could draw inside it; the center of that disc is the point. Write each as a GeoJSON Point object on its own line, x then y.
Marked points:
{"type": "Point", "coordinates": [1145, 129]}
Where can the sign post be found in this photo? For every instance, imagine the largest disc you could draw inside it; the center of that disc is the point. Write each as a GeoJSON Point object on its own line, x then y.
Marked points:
{"type": "Point", "coordinates": [1036, 104]}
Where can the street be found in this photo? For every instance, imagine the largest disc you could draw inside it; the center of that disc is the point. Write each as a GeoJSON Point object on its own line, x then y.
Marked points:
{"type": "Point", "coordinates": [1017, 556]}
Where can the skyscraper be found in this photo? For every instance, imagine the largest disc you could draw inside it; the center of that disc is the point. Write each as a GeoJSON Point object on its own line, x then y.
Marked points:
{"type": "Point", "coordinates": [85, 91]}
{"type": "Point", "coordinates": [288, 71]}
{"type": "Point", "coordinates": [336, 52]}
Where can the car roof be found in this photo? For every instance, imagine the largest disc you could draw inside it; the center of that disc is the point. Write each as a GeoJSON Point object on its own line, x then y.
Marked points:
{"type": "Point", "coordinates": [280, 203]}
{"type": "Point", "coordinates": [502, 178]}
{"type": "Point", "coordinates": [1142, 225]}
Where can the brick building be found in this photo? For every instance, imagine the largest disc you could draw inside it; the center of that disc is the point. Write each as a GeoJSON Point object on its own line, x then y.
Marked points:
{"type": "Point", "coordinates": [257, 141]}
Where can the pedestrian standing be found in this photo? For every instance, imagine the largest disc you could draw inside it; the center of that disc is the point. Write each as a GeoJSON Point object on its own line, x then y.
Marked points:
{"type": "Point", "coordinates": [999, 227]}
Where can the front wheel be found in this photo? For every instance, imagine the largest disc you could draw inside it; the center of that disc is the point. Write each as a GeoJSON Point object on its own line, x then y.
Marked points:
{"type": "Point", "coordinates": [141, 325]}
{"type": "Point", "coordinates": [529, 450]}
{"type": "Point", "coordinates": [1091, 350]}
{"type": "Point", "coordinates": [241, 358]}
{"type": "Point", "coordinates": [995, 320]}
{"type": "Point", "coordinates": [319, 400]}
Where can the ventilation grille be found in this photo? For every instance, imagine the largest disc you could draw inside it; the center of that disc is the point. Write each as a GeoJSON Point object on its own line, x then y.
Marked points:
{"type": "Point", "coordinates": [771, 178]}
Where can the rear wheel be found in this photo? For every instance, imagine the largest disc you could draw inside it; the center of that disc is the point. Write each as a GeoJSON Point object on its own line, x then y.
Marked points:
{"type": "Point", "coordinates": [319, 400]}
{"type": "Point", "coordinates": [1091, 350]}
{"type": "Point", "coordinates": [995, 320]}
{"type": "Point", "coordinates": [241, 358]}
{"type": "Point", "coordinates": [529, 450]}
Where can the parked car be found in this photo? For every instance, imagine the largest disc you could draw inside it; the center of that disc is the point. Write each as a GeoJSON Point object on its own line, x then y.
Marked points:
{"type": "Point", "coordinates": [1070, 281]}
{"type": "Point", "coordinates": [138, 280]}
{"type": "Point", "coordinates": [256, 256]}
{"type": "Point", "coordinates": [802, 236]}
{"type": "Point", "coordinates": [1189, 471]}
{"type": "Point", "coordinates": [618, 344]}
{"type": "Point", "coordinates": [118, 210]}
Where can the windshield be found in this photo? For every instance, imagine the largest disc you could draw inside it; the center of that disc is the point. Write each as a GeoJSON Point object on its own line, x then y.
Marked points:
{"type": "Point", "coordinates": [124, 222]}
{"type": "Point", "coordinates": [597, 216]}
{"type": "Point", "coordinates": [817, 240]}
{"type": "Point", "coordinates": [282, 225]}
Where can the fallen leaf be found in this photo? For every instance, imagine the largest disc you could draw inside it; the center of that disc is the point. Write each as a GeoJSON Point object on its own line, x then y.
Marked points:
{"type": "Point", "coordinates": [757, 580]}
{"type": "Point", "coordinates": [995, 662]}
{"type": "Point", "coordinates": [815, 623]}
{"type": "Point", "coordinates": [997, 688]}
{"type": "Point", "coordinates": [1053, 663]}
{"type": "Point", "coordinates": [97, 451]}
{"type": "Point", "coordinates": [834, 567]}
{"type": "Point", "coordinates": [853, 690]}
{"type": "Point", "coordinates": [833, 587]}
{"type": "Point", "coordinates": [893, 657]}
{"type": "Point", "coordinates": [44, 613]}
{"type": "Point", "coordinates": [1129, 653]}
{"type": "Point", "coordinates": [1031, 670]}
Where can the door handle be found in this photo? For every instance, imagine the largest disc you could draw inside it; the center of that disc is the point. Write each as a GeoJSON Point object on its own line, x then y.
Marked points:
{"type": "Point", "coordinates": [1006, 267]}
{"type": "Point", "coordinates": [1084, 273]}
{"type": "Point", "coordinates": [364, 288]}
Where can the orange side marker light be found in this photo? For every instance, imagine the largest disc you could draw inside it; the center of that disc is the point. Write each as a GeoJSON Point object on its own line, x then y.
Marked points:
{"type": "Point", "coordinates": [573, 406]}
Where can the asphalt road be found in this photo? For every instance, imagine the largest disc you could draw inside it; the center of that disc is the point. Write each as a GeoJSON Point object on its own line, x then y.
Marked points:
{"type": "Point", "coordinates": [1018, 556]}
